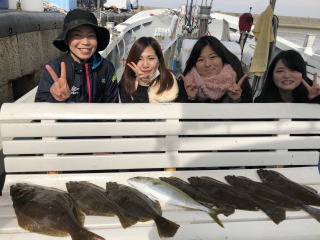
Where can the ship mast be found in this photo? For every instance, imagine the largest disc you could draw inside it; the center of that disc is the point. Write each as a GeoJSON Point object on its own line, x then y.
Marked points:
{"type": "Point", "coordinates": [197, 18]}
{"type": "Point", "coordinates": [204, 17]}
{"type": "Point", "coordinates": [99, 12]}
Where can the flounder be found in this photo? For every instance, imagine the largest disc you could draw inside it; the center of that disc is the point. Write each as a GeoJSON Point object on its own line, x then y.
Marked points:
{"type": "Point", "coordinates": [48, 211]}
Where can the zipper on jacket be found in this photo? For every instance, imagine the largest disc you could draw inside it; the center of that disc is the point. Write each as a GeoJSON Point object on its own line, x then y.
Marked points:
{"type": "Point", "coordinates": [86, 66]}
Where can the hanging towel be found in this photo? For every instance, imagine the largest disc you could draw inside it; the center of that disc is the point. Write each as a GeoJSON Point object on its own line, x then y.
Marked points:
{"type": "Point", "coordinates": [264, 34]}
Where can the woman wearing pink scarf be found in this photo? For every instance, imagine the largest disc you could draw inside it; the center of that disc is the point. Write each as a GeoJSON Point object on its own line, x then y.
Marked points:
{"type": "Point", "coordinates": [214, 74]}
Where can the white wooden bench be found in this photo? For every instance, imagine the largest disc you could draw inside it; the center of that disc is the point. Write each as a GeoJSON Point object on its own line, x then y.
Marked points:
{"type": "Point", "coordinates": [90, 141]}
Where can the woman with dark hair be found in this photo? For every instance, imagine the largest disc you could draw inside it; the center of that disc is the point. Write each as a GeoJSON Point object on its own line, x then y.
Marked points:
{"type": "Point", "coordinates": [81, 74]}
{"type": "Point", "coordinates": [214, 74]}
{"type": "Point", "coordinates": [287, 81]}
{"type": "Point", "coordinates": [146, 78]}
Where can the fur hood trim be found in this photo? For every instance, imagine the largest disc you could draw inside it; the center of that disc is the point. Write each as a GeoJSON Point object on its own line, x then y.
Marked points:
{"type": "Point", "coordinates": [168, 95]}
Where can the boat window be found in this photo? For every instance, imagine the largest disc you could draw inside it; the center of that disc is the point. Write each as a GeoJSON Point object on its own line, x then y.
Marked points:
{"type": "Point", "coordinates": [136, 28]}
{"type": "Point", "coordinates": [147, 24]}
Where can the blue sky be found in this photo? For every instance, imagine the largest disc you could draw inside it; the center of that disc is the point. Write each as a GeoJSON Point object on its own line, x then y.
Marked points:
{"type": "Point", "coordinates": [299, 8]}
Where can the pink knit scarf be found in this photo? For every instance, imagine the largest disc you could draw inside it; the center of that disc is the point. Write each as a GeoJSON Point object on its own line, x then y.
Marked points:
{"type": "Point", "coordinates": [213, 87]}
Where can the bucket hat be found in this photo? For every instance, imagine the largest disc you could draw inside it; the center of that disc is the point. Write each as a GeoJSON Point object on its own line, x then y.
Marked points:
{"type": "Point", "coordinates": [76, 18]}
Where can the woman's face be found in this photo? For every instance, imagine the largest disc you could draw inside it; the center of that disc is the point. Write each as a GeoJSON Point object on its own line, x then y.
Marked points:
{"type": "Point", "coordinates": [284, 78]}
{"type": "Point", "coordinates": [148, 61]}
{"type": "Point", "coordinates": [208, 63]}
{"type": "Point", "coordinates": [82, 42]}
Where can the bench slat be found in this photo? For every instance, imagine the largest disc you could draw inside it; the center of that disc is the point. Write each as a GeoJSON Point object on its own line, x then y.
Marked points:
{"type": "Point", "coordinates": [156, 136]}
{"type": "Point", "coordinates": [252, 143]}
{"type": "Point", "coordinates": [159, 144]}
{"type": "Point", "coordinates": [32, 111]}
{"type": "Point", "coordinates": [157, 128]}
{"type": "Point", "coordinates": [303, 175]}
{"type": "Point", "coordinates": [187, 219]}
{"type": "Point", "coordinates": [84, 145]}
{"type": "Point", "coordinates": [158, 160]}
{"type": "Point", "coordinates": [177, 215]}
{"type": "Point", "coordinates": [306, 229]}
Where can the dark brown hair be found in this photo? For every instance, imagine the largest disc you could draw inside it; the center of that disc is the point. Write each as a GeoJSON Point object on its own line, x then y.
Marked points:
{"type": "Point", "coordinates": [227, 58]}
{"type": "Point", "coordinates": [128, 78]}
{"type": "Point", "coordinates": [295, 62]}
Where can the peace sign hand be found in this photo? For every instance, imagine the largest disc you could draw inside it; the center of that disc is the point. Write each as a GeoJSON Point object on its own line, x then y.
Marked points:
{"type": "Point", "coordinates": [235, 91]}
{"type": "Point", "coordinates": [314, 90]}
{"type": "Point", "coordinates": [59, 89]}
{"type": "Point", "coordinates": [142, 78]}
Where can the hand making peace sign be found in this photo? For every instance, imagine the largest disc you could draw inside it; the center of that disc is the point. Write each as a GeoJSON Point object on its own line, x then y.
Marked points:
{"type": "Point", "coordinates": [59, 89]}
{"type": "Point", "coordinates": [314, 89]}
{"type": "Point", "coordinates": [235, 91]}
{"type": "Point", "coordinates": [142, 78]}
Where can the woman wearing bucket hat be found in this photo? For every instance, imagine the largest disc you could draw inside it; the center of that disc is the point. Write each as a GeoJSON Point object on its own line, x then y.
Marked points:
{"type": "Point", "coordinates": [81, 75]}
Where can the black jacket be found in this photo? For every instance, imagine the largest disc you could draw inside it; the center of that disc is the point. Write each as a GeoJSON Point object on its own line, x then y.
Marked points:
{"type": "Point", "coordinates": [141, 94]}
{"type": "Point", "coordinates": [103, 81]}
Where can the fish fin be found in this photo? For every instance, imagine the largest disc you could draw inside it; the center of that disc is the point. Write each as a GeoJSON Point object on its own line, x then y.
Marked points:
{"type": "Point", "coordinates": [166, 228]}
{"type": "Point", "coordinates": [144, 219]}
{"type": "Point", "coordinates": [277, 215]}
{"type": "Point", "coordinates": [158, 207]}
{"type": "Point", "coordinates": [80, 216]}
{"type": "Point", "coordinates": [213, 213]}
{"type": "Point", "coordinates": [227, 211]}
{"type": "Point", "coordinates": [127, 221]}
{"type": "Point", "coordinates": [111, 186]}
{"type": "Point", "coordinates": [314, 212]}
{"type": "Point", "coordinates": [84, 234]}
{"type": "Point", "coordinates": [311, 189]}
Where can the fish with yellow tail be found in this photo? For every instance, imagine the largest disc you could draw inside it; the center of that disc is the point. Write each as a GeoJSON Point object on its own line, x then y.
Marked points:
{"type": "Point", "coordinates": [166, 193]}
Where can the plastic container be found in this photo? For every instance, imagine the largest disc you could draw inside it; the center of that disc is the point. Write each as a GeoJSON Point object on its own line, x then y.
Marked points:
{"type": "Point", "coordinates": [4, 4]}
{"type": "Point", "coordinates": [174, 64]}
{"type": "Point", "coordinates": [32, 5]}
{"type": "Point", "coordinates": [12, 4]}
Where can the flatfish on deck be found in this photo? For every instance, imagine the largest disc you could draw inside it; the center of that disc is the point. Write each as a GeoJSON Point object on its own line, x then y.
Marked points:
{"type": "Point", "coordinates": [92, 200]}
{"type": "Point", "coordinates": [197, 195]}
{"type": "Point", "coordinates": [48, 211]}
{"type": "Point", "coordinates": [229, 195]}
{"type": "Point", "coordinates": [261, 192]}
{"type": "Point", "coordinates": [276, 180]}
{"type": "Point", "coordinates": [222, 193]}
{"type": "Point", "coordinates": [140, 206]}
